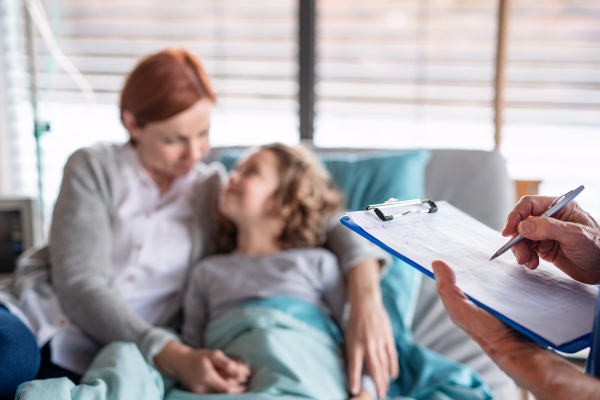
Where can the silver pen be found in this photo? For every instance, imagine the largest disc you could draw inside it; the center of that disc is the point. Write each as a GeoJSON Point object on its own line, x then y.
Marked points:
{"type": "Point", "coordinates": [556, 205]}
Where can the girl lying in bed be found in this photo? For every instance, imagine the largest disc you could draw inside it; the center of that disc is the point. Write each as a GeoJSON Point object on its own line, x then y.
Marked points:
{"type": "Point", "coordinates": [270, 299]}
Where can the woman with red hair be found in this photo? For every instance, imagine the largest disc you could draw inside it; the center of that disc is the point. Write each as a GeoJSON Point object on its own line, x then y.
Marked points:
{"type": "Point", "coordinates": [129, 221]}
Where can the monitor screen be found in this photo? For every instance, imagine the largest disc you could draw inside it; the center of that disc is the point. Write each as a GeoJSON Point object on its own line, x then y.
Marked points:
{"type": "Point", "coordinates": [11, 239]}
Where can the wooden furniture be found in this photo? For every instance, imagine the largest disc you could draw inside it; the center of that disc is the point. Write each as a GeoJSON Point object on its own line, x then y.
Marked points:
{"type": "Point", "coordinates": [526, 188]}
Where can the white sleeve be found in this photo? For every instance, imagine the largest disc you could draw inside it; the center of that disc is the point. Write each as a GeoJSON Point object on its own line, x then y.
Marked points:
{"type": "Point", "coordinates": [368, 384]}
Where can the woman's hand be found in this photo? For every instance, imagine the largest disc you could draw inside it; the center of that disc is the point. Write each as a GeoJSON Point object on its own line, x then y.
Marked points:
{"type": "Point", "coordinates": [203, 371]}
{"type": "Point", "coordinates": [369, 336]}
{"type": "Point", "coordinates": [545, 374]}
{"type": "Point", "coordinates": [570, 239]}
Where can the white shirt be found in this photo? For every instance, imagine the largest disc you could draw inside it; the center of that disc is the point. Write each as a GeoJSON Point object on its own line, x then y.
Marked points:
{"type": "Point", "coordinates": [152, 243]}
{"type": "Point", "coordinates": [150, 259]}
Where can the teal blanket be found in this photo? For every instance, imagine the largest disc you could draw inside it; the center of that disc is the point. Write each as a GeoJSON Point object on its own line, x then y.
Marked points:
{"type": "Point", "coordinates": [294, 351]}
{"type": "Point", "coordinates": [292, 348]}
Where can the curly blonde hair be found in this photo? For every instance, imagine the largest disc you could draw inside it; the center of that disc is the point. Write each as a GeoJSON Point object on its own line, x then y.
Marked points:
{"type": "Point", "coordinates": [305, 198]}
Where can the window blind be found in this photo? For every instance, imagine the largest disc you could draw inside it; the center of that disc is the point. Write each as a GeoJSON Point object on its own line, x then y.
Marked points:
{"type": "Point", "coordinates": [391, 72]}
{"type": "Point", "coordinates": [419, 73]}
{"type": "Point", "coordinates": [553, 70]}
{"type": "Point", "coordinates": [552, 91]}
{"type": "Point", "coordinates": [406, 70]}
{"type": "Point", "coordinates": [248, 49]}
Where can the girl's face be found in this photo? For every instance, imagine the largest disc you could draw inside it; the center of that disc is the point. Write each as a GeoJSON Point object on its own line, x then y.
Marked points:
{"type": "Point", "coordinates": [171, 148]}
{"type": "Point", "coordinates": [247, 197]}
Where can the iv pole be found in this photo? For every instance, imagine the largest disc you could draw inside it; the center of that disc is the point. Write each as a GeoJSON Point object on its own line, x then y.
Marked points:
{"type": "Point", "coordinates": [39, 128]}
{"type": "Point", "coordinates": [35, 15]}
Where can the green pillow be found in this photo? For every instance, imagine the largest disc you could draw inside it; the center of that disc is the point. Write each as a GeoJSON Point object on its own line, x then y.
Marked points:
{"type": "Point", "coordinates": [229, 157]}
{"type": "Point", "coordinates": [369, 179]}
{"type": "Point", "coordinates": [375, 178]}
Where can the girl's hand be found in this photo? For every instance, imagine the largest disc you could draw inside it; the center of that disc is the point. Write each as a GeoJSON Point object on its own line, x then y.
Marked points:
{"type": "Point", "coordinates": [203, 371]}
{"type": "Point", "coordinates": [369, 337]}
{"type": "Point", "coordinates": [362, 395]}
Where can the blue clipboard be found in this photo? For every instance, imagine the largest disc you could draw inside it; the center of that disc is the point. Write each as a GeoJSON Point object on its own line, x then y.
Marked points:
{"type": "Point", "coordinates": [571, 347]}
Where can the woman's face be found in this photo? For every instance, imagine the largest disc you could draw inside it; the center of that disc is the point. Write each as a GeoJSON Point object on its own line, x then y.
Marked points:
{"type": "Point", "coordinates": [247, 197]}
{"type": "Point", "coordinates": [170, 148]}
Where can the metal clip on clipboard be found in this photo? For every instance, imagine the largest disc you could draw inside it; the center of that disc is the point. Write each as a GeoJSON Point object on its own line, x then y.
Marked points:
{"type": "Point", "coordinates": [376, 207]}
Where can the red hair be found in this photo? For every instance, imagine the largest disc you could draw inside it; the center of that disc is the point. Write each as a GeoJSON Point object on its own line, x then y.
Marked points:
{"type": "Point", "coordinates": [164, 84]}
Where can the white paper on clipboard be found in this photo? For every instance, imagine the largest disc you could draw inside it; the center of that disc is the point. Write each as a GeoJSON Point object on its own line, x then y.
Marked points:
{"type": "Point", "coordinates": [545, 301]}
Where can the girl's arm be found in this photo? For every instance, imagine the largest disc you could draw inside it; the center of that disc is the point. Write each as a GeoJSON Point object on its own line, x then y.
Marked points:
{"type": "Point", "coordinates": [369, 337]}
{"type": "Point", "coordinates": [335, 294]}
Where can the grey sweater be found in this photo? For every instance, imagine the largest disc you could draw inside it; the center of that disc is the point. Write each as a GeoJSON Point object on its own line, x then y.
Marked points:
{"type": "Point", "coordinates": [80, 248]}
{"type": "Point", "coordinates": [222, 282]}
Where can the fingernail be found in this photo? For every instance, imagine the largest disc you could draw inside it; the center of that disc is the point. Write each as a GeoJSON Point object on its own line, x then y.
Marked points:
{"type": "Point", "coordinates": [527, 227]}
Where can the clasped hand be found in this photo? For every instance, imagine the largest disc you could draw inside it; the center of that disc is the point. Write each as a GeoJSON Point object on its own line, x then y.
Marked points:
{"type": "Point", "coordinates": [202, 370]}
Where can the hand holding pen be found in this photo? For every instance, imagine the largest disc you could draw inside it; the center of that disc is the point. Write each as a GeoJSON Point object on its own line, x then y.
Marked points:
{"type": "Point", "coordinates": [570, 239]}
{"type": "Point", "coordinates": [557, 204]}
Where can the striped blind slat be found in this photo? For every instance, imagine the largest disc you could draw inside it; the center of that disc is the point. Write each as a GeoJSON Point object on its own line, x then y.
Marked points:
{"type": "Point", "coordinates": [247, 52]}
{"type": "Point", "coordinates": [437, 52]}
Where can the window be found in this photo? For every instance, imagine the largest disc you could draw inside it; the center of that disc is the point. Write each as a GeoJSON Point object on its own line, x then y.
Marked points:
{"type": "Point", "coordinates": [419, 73]}
{"type": "Point", "coordinates": [248, 49]}
{"type": "Point", "coordinates": [552, 129]}
{"type": "Point", "coordinates": [392, 74]}
{"type": "Point", "coordinates": [405, 74]}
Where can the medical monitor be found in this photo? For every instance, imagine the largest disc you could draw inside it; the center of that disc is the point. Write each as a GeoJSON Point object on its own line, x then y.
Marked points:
{"type": "Point", "coordinates": [20, 229]}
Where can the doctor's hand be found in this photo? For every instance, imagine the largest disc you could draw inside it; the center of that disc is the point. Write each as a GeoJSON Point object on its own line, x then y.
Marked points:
{"type": "Point", "coordinates": [202, 370]}
{"type": "Point", "coordinates": [495, 337]}
{"type": "Point", "coordinates": [570, 239]}
{"type": "Point", "coordinates": [531, 366]}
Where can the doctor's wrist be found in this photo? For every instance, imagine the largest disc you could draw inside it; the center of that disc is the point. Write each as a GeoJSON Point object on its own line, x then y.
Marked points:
{"type": "Point", "coordinates": [548, 376]}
